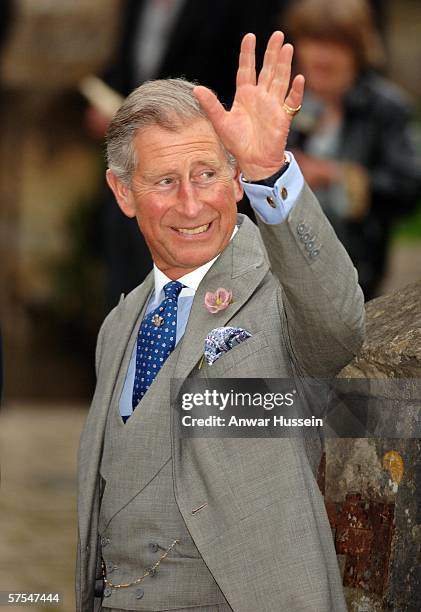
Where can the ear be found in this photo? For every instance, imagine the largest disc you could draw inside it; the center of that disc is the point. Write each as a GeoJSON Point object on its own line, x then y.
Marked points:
{"type": "Point", "coordinates": [122, 193]}
{"type": "Point", "coordinates": [238, 188]}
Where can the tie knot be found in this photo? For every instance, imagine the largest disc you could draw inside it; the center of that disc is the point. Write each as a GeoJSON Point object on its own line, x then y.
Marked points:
{"type": "Point", "coordinates": [172, 290]}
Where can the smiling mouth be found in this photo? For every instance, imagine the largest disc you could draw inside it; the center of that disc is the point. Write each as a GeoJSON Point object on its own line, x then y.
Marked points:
{"type": "Point", "coordinates": [194, 230]}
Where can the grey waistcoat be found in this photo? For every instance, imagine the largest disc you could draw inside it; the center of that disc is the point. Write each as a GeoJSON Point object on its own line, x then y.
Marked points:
{"type": "Point", "coordinates": [137, 525]}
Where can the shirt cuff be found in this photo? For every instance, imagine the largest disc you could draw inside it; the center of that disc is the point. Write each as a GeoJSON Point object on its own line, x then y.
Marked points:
{"type": "Point", "coordinates": [273, 204]}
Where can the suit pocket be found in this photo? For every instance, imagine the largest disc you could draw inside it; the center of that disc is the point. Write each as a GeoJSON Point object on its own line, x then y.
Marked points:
{"type": "Point", "coordinates": [233, 358]}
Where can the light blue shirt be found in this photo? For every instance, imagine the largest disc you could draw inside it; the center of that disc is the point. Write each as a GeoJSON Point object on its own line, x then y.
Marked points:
{"type": "Point", "coordinates": [282, 196]}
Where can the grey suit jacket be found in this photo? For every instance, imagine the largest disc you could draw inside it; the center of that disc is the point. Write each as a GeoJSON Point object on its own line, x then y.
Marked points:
{"type": "Point", "coordinates": [264, 533]}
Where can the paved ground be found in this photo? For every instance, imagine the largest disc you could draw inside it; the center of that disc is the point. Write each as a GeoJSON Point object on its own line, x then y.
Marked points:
{"type": "Point", "coordinates": [37, 499]}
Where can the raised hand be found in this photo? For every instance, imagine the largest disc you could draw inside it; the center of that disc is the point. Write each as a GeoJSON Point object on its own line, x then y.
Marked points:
{"type": "Point", "coordinates": [256, 128]}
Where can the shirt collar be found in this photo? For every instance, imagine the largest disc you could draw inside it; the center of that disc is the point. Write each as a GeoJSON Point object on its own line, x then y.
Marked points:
{"type": "Point", "coordinates": [191, 280]}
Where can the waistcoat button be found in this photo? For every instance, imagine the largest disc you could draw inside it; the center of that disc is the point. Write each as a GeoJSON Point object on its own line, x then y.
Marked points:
{"type": "Point", "coordinates": [139, 593]}
{"type": "Point", "coordinates": [105, 541]}
{"type": "Point", "coordinates": [110, 567]}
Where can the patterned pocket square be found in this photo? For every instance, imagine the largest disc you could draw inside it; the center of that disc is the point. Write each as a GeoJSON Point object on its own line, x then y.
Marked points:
{"type": "Point", "coordinates": [221, 340]}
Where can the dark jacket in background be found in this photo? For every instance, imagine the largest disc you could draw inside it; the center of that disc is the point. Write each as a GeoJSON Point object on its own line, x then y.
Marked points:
{"type": "Point", "coordinates": [377, 134]}
{"type": "Point", "coordinates": [204, 43]}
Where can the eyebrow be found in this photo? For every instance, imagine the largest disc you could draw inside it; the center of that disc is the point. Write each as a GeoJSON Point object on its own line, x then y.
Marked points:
{"type": "Point", "coordinates": [154, 175]}
{"type": "Point", "coordinates": [172, 171]}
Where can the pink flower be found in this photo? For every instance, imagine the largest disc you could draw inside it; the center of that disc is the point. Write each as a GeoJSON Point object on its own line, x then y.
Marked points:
{"type": "Point", "coordinates": [219, 300]}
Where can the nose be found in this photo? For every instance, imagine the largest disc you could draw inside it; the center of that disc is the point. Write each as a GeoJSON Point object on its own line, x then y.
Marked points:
{"type": "Point", "coordinates": [189, 203]}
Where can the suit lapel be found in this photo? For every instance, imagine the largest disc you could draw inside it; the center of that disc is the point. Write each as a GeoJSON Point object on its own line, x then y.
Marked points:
{"type": "Point", "coordinates": [90, 451]}
{"type": "Point", "coordinates": [240, 268]}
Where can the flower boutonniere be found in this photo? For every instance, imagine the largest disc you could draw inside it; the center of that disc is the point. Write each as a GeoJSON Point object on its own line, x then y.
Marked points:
{"type": "Point", "coordinates": [219, 300]}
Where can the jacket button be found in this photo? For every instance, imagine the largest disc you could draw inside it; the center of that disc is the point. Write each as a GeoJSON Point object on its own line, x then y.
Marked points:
{"type": "Point", "coordinates": [153, 547]}
{"type": "Point", "coordinates": [271, 202]}
{"type": "Point", "coordinates": [139, 593]}
{"type": "Point", "coordinates": [301, 229]}
{"type": "Point", "coordinates": [314, 253]}
{"type": "Point", "coordinates": [310, 245]}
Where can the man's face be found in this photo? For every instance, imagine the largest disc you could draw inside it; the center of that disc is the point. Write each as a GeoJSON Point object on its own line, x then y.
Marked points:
{"type": "Point", "coordinates": [183, 194]}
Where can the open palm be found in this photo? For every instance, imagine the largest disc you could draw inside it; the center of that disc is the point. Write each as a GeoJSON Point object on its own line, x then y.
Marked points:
{"type": "Point", "coordinates": [256, 128]}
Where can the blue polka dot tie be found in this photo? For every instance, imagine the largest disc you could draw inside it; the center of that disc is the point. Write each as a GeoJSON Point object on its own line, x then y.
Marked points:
{"type": "Point", "coordinates": [155, 340]}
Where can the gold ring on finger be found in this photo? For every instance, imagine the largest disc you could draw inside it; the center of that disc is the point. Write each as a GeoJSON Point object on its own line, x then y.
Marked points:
{"type": "Point", "coordinates": [291, 111]}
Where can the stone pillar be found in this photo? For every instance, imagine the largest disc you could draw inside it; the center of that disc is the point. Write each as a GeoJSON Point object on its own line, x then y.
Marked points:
{"type": "Point", "coordinates": [48, 166]}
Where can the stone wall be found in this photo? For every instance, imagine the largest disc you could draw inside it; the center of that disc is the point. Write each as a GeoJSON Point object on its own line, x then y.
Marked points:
{"type": "Point", "coordinates": [373, 485]}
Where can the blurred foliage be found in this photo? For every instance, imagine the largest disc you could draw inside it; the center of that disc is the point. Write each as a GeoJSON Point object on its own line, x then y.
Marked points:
{"type": "Point", "coordinates": [409, 228]}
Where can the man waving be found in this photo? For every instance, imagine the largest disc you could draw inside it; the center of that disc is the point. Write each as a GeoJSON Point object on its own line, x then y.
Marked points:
{"type": "Point", "coordinates": [213, 524]}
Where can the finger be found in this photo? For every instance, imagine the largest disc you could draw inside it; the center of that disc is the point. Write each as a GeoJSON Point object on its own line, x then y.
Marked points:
{"type": "Point", "coordinates": [295, 96]}
{"type": "Point", "coordinates": [210, 104]}
{"type": "Point", "coordinates": [270, 60]}
{"type": "Point", "coordinates": [246, 73]}
{"type": "Point", "coordinates": [282, 76]}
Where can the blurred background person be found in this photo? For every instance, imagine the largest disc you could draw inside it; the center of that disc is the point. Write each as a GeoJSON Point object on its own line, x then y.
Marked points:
{"type": "Point", "coordinates": [353, 137]}
{"type": "Point", "coordinates": [170, 38]}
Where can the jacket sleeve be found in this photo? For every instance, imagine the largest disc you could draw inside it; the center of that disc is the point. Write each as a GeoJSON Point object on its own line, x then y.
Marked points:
{"type": "Point", "coordinates": [319, 297]}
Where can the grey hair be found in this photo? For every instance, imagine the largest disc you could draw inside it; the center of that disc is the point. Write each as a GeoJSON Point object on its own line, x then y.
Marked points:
{"type": "Point", "coordinates": [168, 103]}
